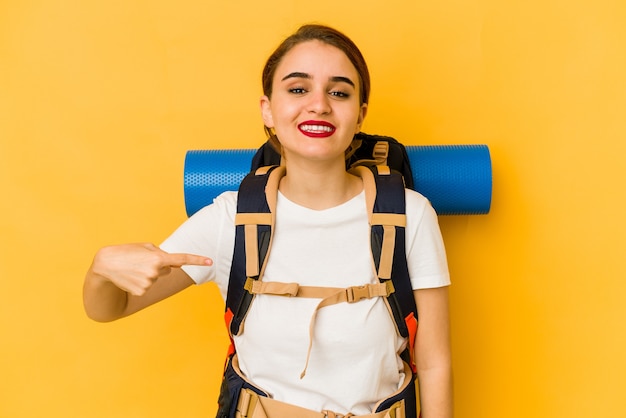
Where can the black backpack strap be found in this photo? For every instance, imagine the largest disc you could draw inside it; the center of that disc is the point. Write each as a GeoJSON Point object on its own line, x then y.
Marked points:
{"type": "Point", "coordinates": [266, 155]}
{"type": "Point", "coordinates": [254, 223]}
{"type": "Point", "coordinates": [386, 203]}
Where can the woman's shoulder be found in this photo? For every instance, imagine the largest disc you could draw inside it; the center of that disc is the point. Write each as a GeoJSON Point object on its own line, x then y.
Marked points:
{"type": "Point", "coordinates": [225, 202]}
{"type": "Point", "coordinates": [415, 201]}
{"type": "Point", "coordinates": [221, 211]}
{"type": "Point", "coordinates": [420, 212]}
{"type": "Point", "coordinates": [227, 199]}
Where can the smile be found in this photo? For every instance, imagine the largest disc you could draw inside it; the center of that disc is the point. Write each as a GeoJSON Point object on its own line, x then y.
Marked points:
{"type": "Point", "coordinates": [316, 129]}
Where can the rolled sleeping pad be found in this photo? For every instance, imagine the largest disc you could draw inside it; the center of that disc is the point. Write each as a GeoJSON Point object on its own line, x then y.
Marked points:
{"type": "Point", "coordinates": [456, 179]}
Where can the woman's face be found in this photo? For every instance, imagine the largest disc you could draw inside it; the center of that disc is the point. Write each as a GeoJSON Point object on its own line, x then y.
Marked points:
{"type": "Point", "coordinates": [314, 108]}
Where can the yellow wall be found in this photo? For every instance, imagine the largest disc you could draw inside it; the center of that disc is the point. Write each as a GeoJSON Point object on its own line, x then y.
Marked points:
{"type": "Point", "coordinates": [99, 100]}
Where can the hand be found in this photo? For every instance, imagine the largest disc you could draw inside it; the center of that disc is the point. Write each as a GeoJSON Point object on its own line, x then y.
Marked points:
{"type": "Point", "coordinates": [135, 267]}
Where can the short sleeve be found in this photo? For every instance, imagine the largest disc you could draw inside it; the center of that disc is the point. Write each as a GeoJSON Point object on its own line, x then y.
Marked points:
{"type": "Point", "coordinates": [209, 232]}
{"type": "Point", "coordinates": [426, 254]}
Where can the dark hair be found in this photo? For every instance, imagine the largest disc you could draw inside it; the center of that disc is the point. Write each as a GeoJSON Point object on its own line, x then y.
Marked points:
{"type": "Point", "coordinates": [328, 36]}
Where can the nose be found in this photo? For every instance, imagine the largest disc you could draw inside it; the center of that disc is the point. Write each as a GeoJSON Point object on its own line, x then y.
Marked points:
{"type": "Point", "coordinates": [319, 102]}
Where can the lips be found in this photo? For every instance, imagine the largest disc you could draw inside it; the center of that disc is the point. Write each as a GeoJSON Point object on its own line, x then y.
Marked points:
{"type": "Point", "coordinates": [316, 128]}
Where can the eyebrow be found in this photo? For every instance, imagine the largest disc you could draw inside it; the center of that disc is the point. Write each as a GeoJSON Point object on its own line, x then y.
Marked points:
{"type": "Point", "coordinates": [335, 79]}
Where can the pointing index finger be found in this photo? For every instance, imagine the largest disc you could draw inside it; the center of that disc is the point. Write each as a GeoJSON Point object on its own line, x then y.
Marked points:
{"type": "Point", "coordinates": [183, 259]}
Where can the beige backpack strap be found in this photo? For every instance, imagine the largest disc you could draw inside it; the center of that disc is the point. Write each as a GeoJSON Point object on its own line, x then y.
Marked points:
{"type": "Point", "coordinates": [350, 295]}
{"type": "Point", "coordinates": [328, 295]}
{"type": "Point", "coordinates": [389, 222]}
{"type": "Point", "coordinates": [250, 221]}
{"type": "Point", "coordinates": [369, 187]}
{"type": "Point", "coordinates": [271, 191]}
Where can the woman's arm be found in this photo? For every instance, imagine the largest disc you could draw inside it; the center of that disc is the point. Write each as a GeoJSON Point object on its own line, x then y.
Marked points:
{"type": "Point", "coordinates": [124, 279]}
{"type": "Point", "coordinates": [432, 353]}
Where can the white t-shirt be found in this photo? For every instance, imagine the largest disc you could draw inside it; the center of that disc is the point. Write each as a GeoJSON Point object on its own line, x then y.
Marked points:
{"type": "Point", "coordinates": [354, 359]}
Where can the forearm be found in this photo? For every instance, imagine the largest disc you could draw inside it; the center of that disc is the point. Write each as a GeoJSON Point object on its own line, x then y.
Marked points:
{"type": "Point", "coordinates": [124, 279]}
{"type": "Point", "coordinates": [435, 390]}
{"type": "Point", "coordinates": [103, 301]}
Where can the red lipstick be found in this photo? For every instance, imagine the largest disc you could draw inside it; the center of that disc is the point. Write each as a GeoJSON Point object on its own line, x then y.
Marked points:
{"type": "Point", "coordinates": [316, 128]}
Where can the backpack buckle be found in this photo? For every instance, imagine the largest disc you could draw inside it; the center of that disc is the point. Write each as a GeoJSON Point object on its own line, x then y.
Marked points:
{"type": "Point", "coordinates": [356, 293]}
{"type": "Point", "coordinates": [381, 152]}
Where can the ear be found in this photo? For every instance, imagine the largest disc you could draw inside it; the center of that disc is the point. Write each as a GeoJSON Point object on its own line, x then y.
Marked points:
{"type": "Point", "coordinates": [266, 112]}
{"type": "Point", "coordinates": [362, 113]}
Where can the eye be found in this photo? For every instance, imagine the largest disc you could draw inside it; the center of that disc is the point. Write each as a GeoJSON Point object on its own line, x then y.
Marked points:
{"type": "Point", "coordinates": [339, 94]}
{"type": "Point", "coordinates": [297, 90]}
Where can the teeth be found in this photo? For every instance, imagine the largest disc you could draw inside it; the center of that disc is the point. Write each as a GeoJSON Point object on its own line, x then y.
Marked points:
{"type": "Point", "coordinates": [316, 128]}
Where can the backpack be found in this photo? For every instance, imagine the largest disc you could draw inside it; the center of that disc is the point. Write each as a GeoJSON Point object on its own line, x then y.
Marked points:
{"type": "Point", "coordinates": [384, 189]}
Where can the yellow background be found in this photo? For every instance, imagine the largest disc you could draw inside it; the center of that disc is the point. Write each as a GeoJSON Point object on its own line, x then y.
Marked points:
{"type": "Point", "coordinates": [100, 100]}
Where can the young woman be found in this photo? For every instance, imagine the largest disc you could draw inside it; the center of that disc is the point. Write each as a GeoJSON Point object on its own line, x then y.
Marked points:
{"type": "Point", "coordinates": [316, 88]}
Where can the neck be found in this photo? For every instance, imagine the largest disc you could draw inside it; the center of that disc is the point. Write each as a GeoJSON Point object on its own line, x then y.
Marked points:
{"type": "Point", "coordinates": [319, 186]}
